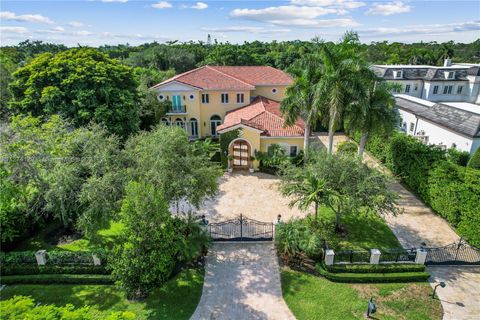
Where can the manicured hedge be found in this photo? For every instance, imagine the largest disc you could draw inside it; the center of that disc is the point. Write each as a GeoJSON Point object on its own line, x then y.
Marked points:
{"type": "Point", "coordinates": [373, 277]}
{"type": "Point", "coordinates": [453, 191]}
{"type": "Point", "coordinates": [9, 270]}
{"type": "Point", "coordinates": [57, 279]}
{"type": "Point", "coordinates": [375, 268]}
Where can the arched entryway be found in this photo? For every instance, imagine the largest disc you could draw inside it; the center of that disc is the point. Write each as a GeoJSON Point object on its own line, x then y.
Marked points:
{"type": "Point", "coordinates": [240, 151]}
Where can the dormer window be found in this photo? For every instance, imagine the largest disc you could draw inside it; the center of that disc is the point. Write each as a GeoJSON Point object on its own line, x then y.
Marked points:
{"type": "Point", "coordinates": [449, 74]}
{"type": "Point", "coordinates": [398, 74]}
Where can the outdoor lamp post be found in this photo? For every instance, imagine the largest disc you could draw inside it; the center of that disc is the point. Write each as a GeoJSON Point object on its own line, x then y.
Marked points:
{"type": "Point", "coordinates": [441, 284]}
{"type": "Point", "coordinates": [372, 308]}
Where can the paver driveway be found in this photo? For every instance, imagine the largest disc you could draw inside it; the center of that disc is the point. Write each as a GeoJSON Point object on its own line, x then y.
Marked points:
{"type": "Point", "coordinates": [242, 281]}
{"type": "Point", "coordinates": [255, 195]}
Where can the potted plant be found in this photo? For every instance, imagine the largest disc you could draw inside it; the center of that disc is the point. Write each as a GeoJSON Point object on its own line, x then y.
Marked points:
{"type": "Point", "coordinates": [251, 169]}
{"type": "Point", "coordinates": [230, 159]}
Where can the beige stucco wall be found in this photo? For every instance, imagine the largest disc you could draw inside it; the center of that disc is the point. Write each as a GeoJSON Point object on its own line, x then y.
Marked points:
{"type": "Point", "coordinates": [265, 142]}
{"type": "Point", "coordinates": [266, 91]}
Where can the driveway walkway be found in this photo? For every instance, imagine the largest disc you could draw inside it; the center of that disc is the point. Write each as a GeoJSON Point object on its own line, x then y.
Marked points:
{"type": "Point", "coordinates": [255, 195]}
{"type": "Point", "coordinates": [419, 226]}
{"type": "Point", "coordinates": [242, 281]}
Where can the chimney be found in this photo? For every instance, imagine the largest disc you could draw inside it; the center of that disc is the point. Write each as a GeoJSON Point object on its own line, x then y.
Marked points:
{"type": "Point", "coordinates": [447, 62]}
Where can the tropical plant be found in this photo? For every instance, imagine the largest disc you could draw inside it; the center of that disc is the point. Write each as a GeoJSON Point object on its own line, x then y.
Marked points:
{"type": "Point", "coordinates": [373, 112]}
{"type": "Point", "coordinates": [193, 238]}
{"type": "Point", "coordinates": [294, 238]}
{"type": "Point", "coordinates": [300, 100]}
{"type": "Point", "coordinates": [347, 148]}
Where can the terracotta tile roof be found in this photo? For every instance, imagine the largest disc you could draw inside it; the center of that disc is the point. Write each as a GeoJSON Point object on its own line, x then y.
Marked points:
{"type": "Point", "coordinates": [230, 78]}
{"type": "Point", "coordinates": [262, 114]}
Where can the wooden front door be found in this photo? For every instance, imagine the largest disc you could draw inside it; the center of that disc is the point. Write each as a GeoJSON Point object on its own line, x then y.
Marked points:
{"type": "Point", "coordinates": [241, 154]}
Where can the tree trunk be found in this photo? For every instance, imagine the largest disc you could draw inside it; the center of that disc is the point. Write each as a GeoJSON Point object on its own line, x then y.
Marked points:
{"type": "Point", "coordinates": [306, 140]}
{"type": "Point", "coordinates": [361, 147]}
{"type": "Point", "coordinates": [316, 211]}
{"type": "Point", "coordinates": [337, 221]}
{"type": "Point", "coordinates": [331, 126]}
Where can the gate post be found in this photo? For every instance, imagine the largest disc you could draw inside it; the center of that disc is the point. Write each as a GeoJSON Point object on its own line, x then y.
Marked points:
{"type": "Point", "coordinates": [329, 257]}
{"type": "Point", "coordinates": [421, 256]}
{"type": "Point", "coordinates": [241, 227]}
{"type": "Point", "coordinates": [375, 256]}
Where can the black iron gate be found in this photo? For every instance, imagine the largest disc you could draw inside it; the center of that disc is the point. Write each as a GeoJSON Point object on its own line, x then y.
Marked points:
{"type": "Point", "coordinates": [241, 229]}
{"type": "Point", "coordinates": [460, 253]}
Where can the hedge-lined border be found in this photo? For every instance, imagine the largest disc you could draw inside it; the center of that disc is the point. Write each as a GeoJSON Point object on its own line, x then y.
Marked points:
{"type": "Point", "coordinates": [375, 268]}
{"type": "Point", "coordinates": [373, 277]}
{"type": "Point", "coordinates": [57, 279]}
{"type": "Point", "coordinates": [10, 270]}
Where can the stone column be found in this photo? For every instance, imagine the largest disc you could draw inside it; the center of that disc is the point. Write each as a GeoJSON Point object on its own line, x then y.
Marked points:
{"type": "Point", "coordinates": [41, 256]}
{"type": "Point", "coordinates": [96, 260]}
{"type": "Point", "coordinates": [329, 257]}
{"type": "Point", "coordinates": [375, 256]}
{"type": "Point", "coordinates": [421, 256]}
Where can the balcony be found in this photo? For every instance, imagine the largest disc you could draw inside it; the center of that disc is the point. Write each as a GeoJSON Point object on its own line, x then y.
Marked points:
{"type": "Point", "coordinates": [177, 110]}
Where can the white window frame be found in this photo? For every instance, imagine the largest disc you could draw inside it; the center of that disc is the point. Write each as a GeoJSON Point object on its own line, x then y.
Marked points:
{"type": "Point", "coordinates": [162, 97]}
{"type": "Point", "coordinates": [398, 74]}
{"type": "Point", "coordinates": [460, 90]}
{"type": "Point", "coordinates": [290, 150]}
{"type": "Point", "coordinates": [222, 95]}
{"type": "Point", "coordinates": [205, 98]}
{"type": "Point", "coordinates": [191, 96]}
{"type": "Point", "coordinates": [240, 94]}
{"type": "Point", "coordinates": [435, 89]}
{"type": "Point", "coordinates": [407, 88]}
{"type": "Point", "coordinates": [412, 127]}
{"type": "Point", "coordinates": [449, 74]}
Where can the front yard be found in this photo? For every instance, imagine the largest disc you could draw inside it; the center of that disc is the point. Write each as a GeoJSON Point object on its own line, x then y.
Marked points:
{"type": "Point", "coordinates": [311, 297]}
{"type": "Point", "coordinates": [177, 299]}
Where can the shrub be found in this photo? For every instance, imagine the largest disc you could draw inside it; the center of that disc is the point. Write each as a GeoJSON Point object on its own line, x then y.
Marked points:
{"type": "Point", "coordinates": [347, 148]}
{"type": "Point", "coordinates": [373, 277]}
{"type": "Point", "coordinates": [68, 257]}
{"type": "Point", "coordinates": [375, 268]}
{"type": "Point", "coordinates": [474, 161]}
{"type": "Point", "coordinates": [49, 269]}
{"type": "Point", "coordinates": [57, 279]}
{"type": "Point", "coordinates": [458, 157]}
{"type": "Point", "coordinates": [21, 307]}
{"type": "Point", "coordinates": [19, 257]}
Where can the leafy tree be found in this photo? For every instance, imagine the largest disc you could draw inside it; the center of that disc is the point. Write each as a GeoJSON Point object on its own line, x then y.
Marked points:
{"type": "Point", "coordinates": [165, 158]}
{"type": "Point", "coordinates": [300, 101]}
{"type": "Point", "coordinates": [373, 112]}
{"type": "Point", "coordinates": [305, 189]}
{"type": "Point", "coordinates": [350, 187]}
{"type": "Point", "coordinates": [146, 258]}
{"type": "Point", "coordinates": [474, 161]}
{"type": "Point", "coordinates": [347, 148]}
{"type": "Point", "coordinates": [82, 85]}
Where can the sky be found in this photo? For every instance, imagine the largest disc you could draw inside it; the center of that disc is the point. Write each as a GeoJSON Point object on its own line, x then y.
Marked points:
{"type": "Point", "coordinates": [99, 22]}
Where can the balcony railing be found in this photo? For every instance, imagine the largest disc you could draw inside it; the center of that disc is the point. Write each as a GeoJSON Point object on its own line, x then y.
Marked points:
{"type": "Point", "coordinates": [177, 109]}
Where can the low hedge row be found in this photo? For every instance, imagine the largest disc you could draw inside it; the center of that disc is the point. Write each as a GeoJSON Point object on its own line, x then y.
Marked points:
{"type": "Point", "coordinates": [57, 279]}
{"type": "Point", "coordinates": [54, 257]}
{"type": "Point", "coordinates": [375, 268]}
{"type": "Point", "coordinates": [373, 277]}
{"type": "Point", "coordinates": [10, 270]}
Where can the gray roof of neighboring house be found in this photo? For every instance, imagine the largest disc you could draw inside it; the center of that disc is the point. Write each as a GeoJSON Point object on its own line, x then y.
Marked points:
{"type": "Point", "coordinates": [461, 121]}
{"type": "Point", "coordinates": [424, 72]}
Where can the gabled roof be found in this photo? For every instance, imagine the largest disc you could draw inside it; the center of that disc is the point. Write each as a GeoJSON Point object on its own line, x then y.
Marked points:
{"type": "Point", "coordinates": [265, 115]}
{"type": "Point", "coordinates": [458, 120]}
{"type": "Point", "coordinates": [230, 77]}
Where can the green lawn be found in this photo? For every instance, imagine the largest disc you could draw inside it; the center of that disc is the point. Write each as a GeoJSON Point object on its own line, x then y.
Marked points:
{"type": "Point", "coordinates": [362, 232]}
{"type": "Point", "coordinates": [176, 300]}
{"type": "Point", "coordinates": [311, 297]}
{"type": "Point", "coordinates": [106, 239]}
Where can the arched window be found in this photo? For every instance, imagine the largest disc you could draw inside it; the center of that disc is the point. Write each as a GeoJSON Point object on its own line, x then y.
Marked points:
{"type": "Point", "coordinates": [165, 122]}
{"type": "Point", "coordinates": [215, 121]}
{"type": "Point", "coordinates": [193, 128]}
{"type": "Point", "coordinates": [179, 123]}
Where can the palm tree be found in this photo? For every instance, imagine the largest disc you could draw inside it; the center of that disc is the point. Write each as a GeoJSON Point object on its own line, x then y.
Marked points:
{"type": "Point", "coordinates": [307, 190]}
{"type": "Point", "coordinates": [299, 102]}
{"type": "Point", "coordinates": [374, 111]}
{"type": "Point", "coordinates": [340, 81]}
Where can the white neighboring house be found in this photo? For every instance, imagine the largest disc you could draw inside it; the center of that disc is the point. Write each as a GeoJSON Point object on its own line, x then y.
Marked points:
{"type": "Point", "coordinates": [446, 124]}
{"type": "Point", "coordinates": [453, 83]}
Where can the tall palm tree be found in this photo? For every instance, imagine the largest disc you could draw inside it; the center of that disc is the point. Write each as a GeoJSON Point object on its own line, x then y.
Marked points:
{"type": "Point", "coordinates": [340, 81]}
{"type": "Point", "coordinates": [299, 102]}
{"type": "Point", "coordinates": [374, 111]}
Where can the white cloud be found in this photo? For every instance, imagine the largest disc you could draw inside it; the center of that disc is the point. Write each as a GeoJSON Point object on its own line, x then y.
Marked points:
{"type": "Point", "coordinates": [429, 29]}
{"type": "Point", "coordinates": [76, 24]}
{"type": "Point", "coordinates": [199, 6]}
{"type": "Point", "coordinates": [162, 5]}
{"type": "Point", "coordinates": [246, 29]}
{"type": "Point", "coordinates": [36, 18]}
{"type": "Point", "coordinates": [13, 30]}
{"type": "Point", "coordinates": [389, 8]}
{"type": "Point", "coordinates": [111, 1]}
{"type": "Point", "coordinates": [347, 4]}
